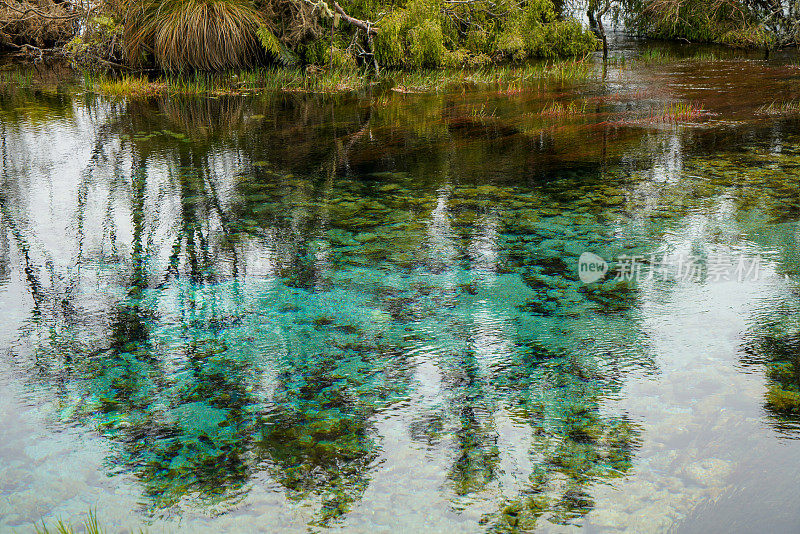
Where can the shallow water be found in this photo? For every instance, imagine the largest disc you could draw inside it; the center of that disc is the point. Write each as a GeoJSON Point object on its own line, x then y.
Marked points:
{"type": "Point", "coordinates": [364, 313]}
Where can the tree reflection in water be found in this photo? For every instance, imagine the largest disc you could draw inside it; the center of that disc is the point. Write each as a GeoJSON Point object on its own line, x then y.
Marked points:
{"type": "Point", "coordinates": [263, 321]}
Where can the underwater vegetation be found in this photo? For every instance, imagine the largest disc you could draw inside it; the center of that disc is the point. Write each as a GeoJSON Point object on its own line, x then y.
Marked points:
{"type": "Point", "coordinates": [201, 381]}
{"type": "Point", "coordinates": [89, 526]}
{"type": "Point", "coordinates": [283, 287]}
{"type": "Point", "coordinates": [777, 349]}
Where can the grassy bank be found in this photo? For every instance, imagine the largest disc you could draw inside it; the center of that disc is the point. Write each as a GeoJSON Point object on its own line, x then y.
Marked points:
{"type": "Point", "coordinates": [338, 81]}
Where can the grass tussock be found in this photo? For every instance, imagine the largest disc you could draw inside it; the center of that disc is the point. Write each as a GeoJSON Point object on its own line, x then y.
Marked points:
{"type": "Point", "coordinates": [90, 525]}
{"type": "Point", "coordinates": [656, 56]}
{"type": "Point", "coordinates": [205, 35]}
{"type": "Point", "coordinates": [507, 79]}
{"type": "Point", "coordinates": [127, 86]}
{"type": "Point", "coordinates": [20, 78]}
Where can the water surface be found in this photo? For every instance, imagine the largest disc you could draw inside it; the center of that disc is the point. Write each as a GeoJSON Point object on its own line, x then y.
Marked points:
{"type": "Point", "coordinates": [364, 312]}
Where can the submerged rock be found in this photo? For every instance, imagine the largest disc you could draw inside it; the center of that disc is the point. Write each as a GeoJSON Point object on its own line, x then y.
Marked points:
{"type": "Point", "coordinates": [709, 472]}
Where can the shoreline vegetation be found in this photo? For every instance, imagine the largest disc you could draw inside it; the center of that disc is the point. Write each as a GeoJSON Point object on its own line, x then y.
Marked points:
{"type": "Point", "coordinates": [358, 38]}
{"type": "Point", "coordinates": [506, 79]}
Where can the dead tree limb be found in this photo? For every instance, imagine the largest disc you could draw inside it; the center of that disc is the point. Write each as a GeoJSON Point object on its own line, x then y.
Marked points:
{"type": "Point", "coordinates": [363, 24]}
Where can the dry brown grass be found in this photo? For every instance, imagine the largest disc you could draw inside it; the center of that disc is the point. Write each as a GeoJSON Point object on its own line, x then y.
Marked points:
{"type": "Point", "coordinates": [209, 35]}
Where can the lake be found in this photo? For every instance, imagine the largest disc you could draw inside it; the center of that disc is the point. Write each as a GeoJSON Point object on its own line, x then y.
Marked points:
{"type": "Point", "coordinates": [556, 306]}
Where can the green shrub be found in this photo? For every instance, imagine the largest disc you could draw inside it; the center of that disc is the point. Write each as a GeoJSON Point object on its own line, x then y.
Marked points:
{"type": "Point", "coordinates": [429, 33]}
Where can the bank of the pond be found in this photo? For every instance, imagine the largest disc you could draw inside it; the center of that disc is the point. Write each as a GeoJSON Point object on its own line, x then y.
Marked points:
{"type": "Point", "coordinates": [502, 79]}
{"type": "Point", "coordinates": [333, 81]}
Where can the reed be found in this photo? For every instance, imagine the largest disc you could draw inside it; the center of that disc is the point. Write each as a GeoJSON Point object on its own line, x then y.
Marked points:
{"type": "Point", "coordinates": [780, 108]}
{"type": "Point", "coordinates": [558, 109]}
{"type": "Point", "coordinates": [88, 526]}
{"type": "Point", "coordinates": [676, 112]}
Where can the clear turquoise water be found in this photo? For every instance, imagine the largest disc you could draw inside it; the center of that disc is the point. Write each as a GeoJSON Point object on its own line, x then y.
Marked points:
{"type": "Point", "coordinates": [364, 313]}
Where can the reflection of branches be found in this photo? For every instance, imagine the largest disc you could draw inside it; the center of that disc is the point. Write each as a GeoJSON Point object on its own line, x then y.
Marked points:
{"type": "Point", "coordinates": [31, 273]}
{"type": "Point", "coordinates": [477, 456]}
{"type": "Point", "coordinates": [340, 155]}
{"type": "Point", "coordinates": [319, 438]}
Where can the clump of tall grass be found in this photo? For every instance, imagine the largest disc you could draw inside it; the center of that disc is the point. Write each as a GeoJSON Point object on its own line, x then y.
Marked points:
{"type": "Point", "coordinates": [128, 85]}
{"type": "Point", "coordinates": [656, 56]}
{"type": "Point", "coordinates": [89, 526]}
{"type": "Point", "coordinates": [780, 108]}
{"type": "Point", "coordinates": [557, 109]}
{"type": "Point", "coordinates": [505, 80]}
{"type": "Point", "coordinates": [676, 112]}
{"type": "Point", "coordinates": [207, 35]}
{"type": "Point", "coordinates": [20, 78]}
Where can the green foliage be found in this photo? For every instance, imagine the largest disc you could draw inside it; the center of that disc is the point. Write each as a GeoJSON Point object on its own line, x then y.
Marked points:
{"type": "Point", "coordinates": [752, 36]}
{"type": "Point", "coordinates": [427, 33]}
{"type": "Point", "coordinates": [217, 35]}
{"type": "Point", "coordinates": [89, 526]}
{"type": "Point", "coordinates": [426, 44]}
{"type": "Point", "coordinates": [277, 50]}
{"type": "Point", "coordinates": [99, 42]}
{"type": "Point", "coordinates": [732, 22]}
{"type": "Point", "coordinates": [269, 41]}
{"type": "Point", "coordinates": [341, 59]}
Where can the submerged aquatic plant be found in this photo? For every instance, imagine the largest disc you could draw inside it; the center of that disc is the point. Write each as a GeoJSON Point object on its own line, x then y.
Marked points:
{"type": "Point", "coordinates": [89, 526]}
{"type": "Point", "coordinates": [780, 354]}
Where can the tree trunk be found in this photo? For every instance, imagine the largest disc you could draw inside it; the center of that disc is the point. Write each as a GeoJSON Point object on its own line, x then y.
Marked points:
{"type": "Point", "coordinates": [602, 32]}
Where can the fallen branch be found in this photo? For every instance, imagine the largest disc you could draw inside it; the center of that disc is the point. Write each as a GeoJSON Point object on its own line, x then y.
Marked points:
{"type": "Point", "coordinates": [39, 13]}
{"type": "Point", "coordinates": [363, 24]}
{"type": "Point", "coordinates": [34, 50]}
